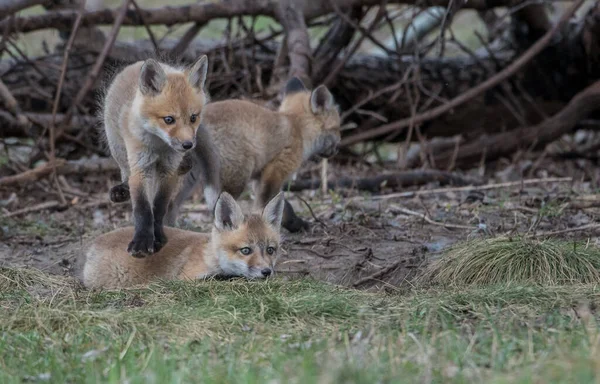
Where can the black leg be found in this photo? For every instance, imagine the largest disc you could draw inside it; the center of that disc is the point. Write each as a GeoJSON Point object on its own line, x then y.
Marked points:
{"type": "Point", "coordinates": [161, 204]}
{"type": "Point", "coordinates": [143, 238]}
{"type": "Point", "coordinates": [290, 221]}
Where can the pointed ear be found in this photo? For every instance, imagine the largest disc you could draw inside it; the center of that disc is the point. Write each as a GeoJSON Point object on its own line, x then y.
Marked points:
{"type": "Point", "coordinates": [321, 99]}
{"type": "Point", "coordinates": [294, 85]}
{"type": "Point", "coordinates": [197, 76]}
{"type": "Point", "coordinates": [152, 78]}
{"type": "Point", "coordinates": [228, 214]}
{"type": "Point", "coordinates": [273, 212]}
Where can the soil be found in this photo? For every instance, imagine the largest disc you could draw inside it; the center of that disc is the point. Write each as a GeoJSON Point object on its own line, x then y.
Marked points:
{"type": "Point", "coordinates": [355, 239]}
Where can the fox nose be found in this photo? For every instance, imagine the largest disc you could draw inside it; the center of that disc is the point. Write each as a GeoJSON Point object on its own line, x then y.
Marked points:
{"type": "Point", "coordinates": [266, 272]}
{"type": "Point", "coordinates": [187, 145]}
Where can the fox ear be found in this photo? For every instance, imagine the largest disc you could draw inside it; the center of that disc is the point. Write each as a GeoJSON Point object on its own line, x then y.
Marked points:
{"type": "Point", "coordinates": [273, 212]}
{"type": "Point", "coordinates": [294, 85]}
{"type": "Point", "coordinates": [197, 76]}
{"type": "Point", "coordinates": [152, 78]}
{"type": "Point", "coordinates": [321, 99]}
{"type": "Point", "coordinates": [228, 214]}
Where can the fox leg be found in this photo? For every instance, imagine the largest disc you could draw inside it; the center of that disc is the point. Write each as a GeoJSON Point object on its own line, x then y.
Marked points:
{"type": "Point", "coordinates": [143, 218]}
{"type": "Point", "coordinates": [270, 184]}
{"type": "Point", "coordinates": [161, 203]}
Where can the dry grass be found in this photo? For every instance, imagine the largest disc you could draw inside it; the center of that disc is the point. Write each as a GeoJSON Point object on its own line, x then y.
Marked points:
{"type": "Point", "coordinates": [505, 260]}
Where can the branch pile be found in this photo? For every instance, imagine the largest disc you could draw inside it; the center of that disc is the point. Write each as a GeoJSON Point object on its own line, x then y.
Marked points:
{"type": "Point", "coordinates": [385, 61]}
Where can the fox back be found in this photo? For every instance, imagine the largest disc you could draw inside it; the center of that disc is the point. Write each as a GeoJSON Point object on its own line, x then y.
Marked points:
{"type": "Point", "coordinates": [239, 245]}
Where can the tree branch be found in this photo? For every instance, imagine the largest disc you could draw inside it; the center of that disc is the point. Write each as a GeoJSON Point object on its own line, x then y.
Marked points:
{"type": "Point", "coordinates": [498, 78]}
{"type": "Point", "coordinates": [204, 12]}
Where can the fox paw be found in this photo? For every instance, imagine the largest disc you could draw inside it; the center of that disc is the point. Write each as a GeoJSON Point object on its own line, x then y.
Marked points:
{"type": "Point", "coordinates": [142, 245]}
{"type": "Point", "coordinates": [160, 239]}
{"type": "Point", "coordinates": [119, 193]}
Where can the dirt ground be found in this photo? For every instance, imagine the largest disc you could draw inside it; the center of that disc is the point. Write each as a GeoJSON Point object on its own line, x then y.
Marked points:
{"type": "Point", "coordinates": [356, 239]}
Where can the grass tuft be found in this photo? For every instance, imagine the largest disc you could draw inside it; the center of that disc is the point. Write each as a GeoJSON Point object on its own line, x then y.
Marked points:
{"type": "Point", "coordinates": [505, 260]}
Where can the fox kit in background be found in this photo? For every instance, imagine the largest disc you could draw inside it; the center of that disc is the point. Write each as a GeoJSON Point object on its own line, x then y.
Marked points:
{"type": "Point", "coordinates": [255, 143]}
{"type": "Point", "coordinates": [239, 245]}
{"type": "Point", "coordinates": [152, 112]}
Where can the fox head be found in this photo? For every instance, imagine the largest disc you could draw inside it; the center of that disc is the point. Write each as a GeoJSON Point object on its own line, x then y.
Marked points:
{"type": "Point", "coordinates": [171, 101]}
{"type": "Point", "coordinates": [248, 245]}
{"type": "Point", "coordinates": [318, 115]}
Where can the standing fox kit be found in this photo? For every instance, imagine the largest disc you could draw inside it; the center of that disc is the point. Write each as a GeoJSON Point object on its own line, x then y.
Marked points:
{"type": "Point", "coordinates": [239, 245]}
{"type": "Point", "coordinates": [152, 112]}
{"type": "Point", "coordinates": [267, 147]}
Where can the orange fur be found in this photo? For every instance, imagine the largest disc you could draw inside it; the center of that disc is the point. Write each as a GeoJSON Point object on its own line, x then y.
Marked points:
{"type": "Point", "coordinates": [256, 143]}
{"type": "Point", "coordinates": [191, 255]}
{"type": "Point", "coordinates": [152, 114]}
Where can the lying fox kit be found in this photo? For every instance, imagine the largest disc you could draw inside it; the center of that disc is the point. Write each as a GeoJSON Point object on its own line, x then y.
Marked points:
{"type": "Point", "coordinates": [152, 112]}
{"type": "Point", "coordinates": [238, 246]}
{"type": "Point", "coordinates": [255, 143]}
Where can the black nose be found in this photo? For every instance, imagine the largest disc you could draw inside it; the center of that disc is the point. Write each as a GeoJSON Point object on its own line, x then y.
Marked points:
{"type": "Point", "coordinates": [187, 145]}
{"type": "Point", "coordinates": [266, 272]}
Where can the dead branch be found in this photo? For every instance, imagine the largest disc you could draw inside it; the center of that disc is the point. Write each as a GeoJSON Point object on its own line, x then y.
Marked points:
{"type": "Point", "coordinates": [502, 144]}
{"type": "Point", "coordinates": [9, 7]}
{"type": "Point", "coordinates": [204, 12]}
{"type": "Point", "coordinates": [471, 93]}
{"type": "Point", "coordinates": [290, 15]}
{"type": "Point", "coordinates": [14, 127]}
{"type": "Point", "coordinates": [93, 74]}
{"type": "Point", "coordinates": [63, 167]}
{"type": "Point", "coordinates": [393, 180]}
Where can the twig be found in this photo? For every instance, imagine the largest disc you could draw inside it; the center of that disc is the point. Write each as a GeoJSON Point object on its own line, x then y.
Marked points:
{"type": "Point", "coordinates": [397, 209]}
{"type": "Point", "coordinates": [186, 39]}
{"type": "Point", "coordinates": [376, 274]}
{"type": "Point", "coordinates": [150, 34]}
{"type": "Point", "coordinates": [471, 188]}
{"type": "Point", "coordinates": [568, 230]}
{"type": "Point", "coordinates": [311, 211]}
{"type": "Point", "coordinates": [501, 76]}
{"type": "Point", "coordinates": [91, 78]}
{"type": "Point", "coordinates": [35, 208]}
{"type": "Point", "coordinates": [61, 80]}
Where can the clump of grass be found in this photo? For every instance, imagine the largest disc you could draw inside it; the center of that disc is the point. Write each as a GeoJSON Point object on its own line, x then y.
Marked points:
{"type": "Point", "coordinates": [505, 260]}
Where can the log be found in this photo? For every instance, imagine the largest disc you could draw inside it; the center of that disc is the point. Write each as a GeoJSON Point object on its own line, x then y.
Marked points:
{"type": "Point", "coordinates": [392, 180]}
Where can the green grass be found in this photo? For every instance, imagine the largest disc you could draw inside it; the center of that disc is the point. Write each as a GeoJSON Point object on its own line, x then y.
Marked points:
{"type": "Point", "coordinates": [53, 330]}
{"type": "Point", "coordinates": [504, 260]}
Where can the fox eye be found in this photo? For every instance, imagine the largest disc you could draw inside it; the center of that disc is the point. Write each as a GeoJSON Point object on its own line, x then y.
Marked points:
{"type": "Point", "coordinates": [270, 250]}
{"type": "Point", "coordinates": [246, 251]}
{"type": "Point", "coordinates": [193, 118]}
{"type": "Point", "coordinates": [169, 120]}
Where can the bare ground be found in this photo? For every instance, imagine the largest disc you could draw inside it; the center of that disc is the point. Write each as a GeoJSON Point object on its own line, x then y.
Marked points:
{"type": "Point", "coordinates": [355, 239]}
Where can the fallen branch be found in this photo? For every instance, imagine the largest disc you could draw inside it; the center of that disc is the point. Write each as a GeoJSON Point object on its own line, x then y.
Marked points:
{"type": "Point", "coordinates": [568, 230]}
{"type": "Point", "coordinates": [63, 167]}
{"type": "Point", "coordinates": [470, 188]}
{"type": "Point", "coordinates": [491, 82]}
{"type": "Point", "coordinates": [35, 208]}
{"type": "Point", "coordinates": [377, 274]}
{"type": "Point", "coordinates": [495, 146]}
{"type": "Point", "coordinates": [396, 209]}
{"type": "Point", "coordinates": [393, 180]}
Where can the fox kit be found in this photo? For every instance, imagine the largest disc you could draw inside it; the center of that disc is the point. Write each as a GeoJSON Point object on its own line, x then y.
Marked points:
{"type": "Point", "coordinates": [255, 143]}
{"type": "Point", "coordinates": [239, 245]}
{"type": "Point", "coordinates": [152, 112]}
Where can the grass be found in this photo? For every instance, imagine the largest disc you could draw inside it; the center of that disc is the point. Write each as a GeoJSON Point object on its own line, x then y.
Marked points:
{"type": "Point", "coordinates": [53, 330]}
{"type": "Point", "coordinates": [516, 260]}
